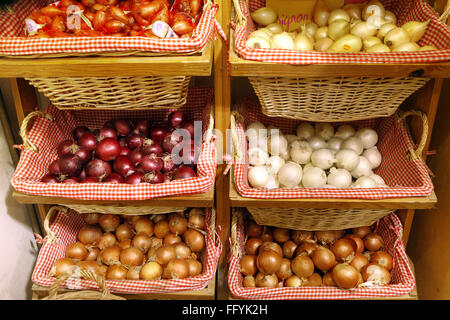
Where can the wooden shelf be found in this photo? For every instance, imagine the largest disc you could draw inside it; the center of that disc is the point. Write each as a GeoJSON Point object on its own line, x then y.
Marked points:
{"type": "Point", "coordinates": [205, 200]}
{"type": "Point", "coordinates": [399, 203]}
{"type": "Point", "coordinates": [207, 293]}
{"type": "Point", "coordinates": [180, 65]}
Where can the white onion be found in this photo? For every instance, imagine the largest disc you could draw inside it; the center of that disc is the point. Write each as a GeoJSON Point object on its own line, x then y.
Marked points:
{"type": "Point", "coordinates": [290, 175]}
{"type": "Point", "coordinates": [324, 130]}
{"type": "Point", "coordinates": [274, 163]}
{"type": "Point", "coordinates": [353, 143]}
{"type": "Point", "coordinates": [323, 159]}
{"type": "Point", "coordinates": [347, 159]}
{"type": "Point", "coordinates": [291, 137]}
{"type": "Point", "coordinates": [345, 131]}
{"type": "Point", "coordinates": [257, 138]}
{"type": "Point", "coordinates": [377, 179]}
{"type": "Point", "coordinates": [272, 182]}
{"type": "Point", "coordinates": [369, 137]}
{"type": "Point", "coordinates": [374, 156]}
{"type": "Point", "coordinates": [307, 166]}
{"type": "Point", "coordinates": [305, 131]}
{"type": "Point", "coordinates": [364, 168]}
{"type": "Point", "coordinates": [258, 176]}
{"type": "Point", "coordinates": [256, 126]}
{"type": "Point", "coordinates": [340, 178]}
{"type": "Point", "coordinates": [317, 143]}
{"type": "Point", "coordinates": [257, 157]}
{"type": "Point", "coordinates": [365, 182]}
{"type": "Point", "coordinates": [314, 178]}
{"type": "Point", "coordinates": [278, 144]}
{"type": "Point", "coordinates": [301, 151]}
{"type": "Point", "coordinates": [335, 143]}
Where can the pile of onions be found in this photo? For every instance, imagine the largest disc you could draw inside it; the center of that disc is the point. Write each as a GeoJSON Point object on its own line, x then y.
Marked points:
{"type": "Point", "coordinates": [143, 247]}
{"type": "Point", "coordinates": [352, 28]}
{"type": "Point", "coordinates": [123, 151]}
{"type": "Point", "coordinates": [295, 258]}
{"type": "Point", "coordinates": [319, 155]}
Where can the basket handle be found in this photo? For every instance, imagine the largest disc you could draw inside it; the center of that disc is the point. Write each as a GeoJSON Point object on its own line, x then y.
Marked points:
{"type": "Point", "coordinates": [51, 236]}
{"type": "Point", "coordinates": [445, 13]}
{"type": "Point", "coordinates": [236, 117]}
{"type": "Point", "coordinates": [209, 132]}
{"type": "Point", "coordinates": [236, 220]}
{"type": "Point", "coordinates": [27, 145]}
{"type": "Point", "coordinates": [86, 274]}
{"type": "Point", "coordinates": [241, 20]}
{"type": "Point", "coordinates": [416, 154]}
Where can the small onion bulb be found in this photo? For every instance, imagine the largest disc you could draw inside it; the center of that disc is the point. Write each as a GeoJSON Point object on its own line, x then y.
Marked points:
{"type": "Point", "coordinates": [290, 175]}
{"type": "Point", "coordinates": [340, 178]}
{"type": "Point", "coordinates": [373, 156]}
{"type": "Point", "coordinates": [258, 176]}
{"type": "Point", "coordinates": [347, 159]}
{"type": "Point", "coordinates": [345, 131]}
{"type": "Point", "coordinates": [314, 178]}
{"type": "Point", "coordinates": [324, 130]}
{"type": "Point", "coordinates": [323, 158]}
{"type": "Point", "coordinates": [300, 151]}
{"type": "Point", "coordinates": [364, 168]}
{"type": "Point", "coordinates": [368, 136]}
{"type": "Point", "coordinates": [305, 131]}
{"type": "Point", "coordinates": [317, 143]}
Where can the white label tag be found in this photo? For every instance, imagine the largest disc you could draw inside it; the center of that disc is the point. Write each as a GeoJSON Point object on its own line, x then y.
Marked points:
{"type": "Point", "coordinates": [31, 27]}
{"type": "Point", "coordinates": [162, 30]}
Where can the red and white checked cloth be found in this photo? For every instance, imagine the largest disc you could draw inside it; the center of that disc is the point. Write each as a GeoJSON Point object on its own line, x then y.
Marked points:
{"type": "Point", "coordinates": [46, 135]}
{"type": "Point", "coordinates": [405, 178]}
{"type": "Point", "coordinates": [402, 283]}
{"type": "Point", "coordinates": [12, 42]}
{"type": "Point", "coordinates": [437, 34]}
{"type": "Point", "coordinates": [66, 228]}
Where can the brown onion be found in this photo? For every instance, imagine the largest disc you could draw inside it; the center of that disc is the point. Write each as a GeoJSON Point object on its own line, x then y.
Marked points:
{"type": "Point", "coordinates": [161, 229]}
{"type": "Point", "coordinates": [194, 239]}
{"type": "Point", "coordinates": [182, 251]}
{"type": "Point", "coordinates": [92, 218]}
{"type": "Point", "coordinates": [344, 249]}
{"type": "Point", "coordinates": [376, 273]}
{"type": "Point", "coordinates": [90, 235]}
{"type": "Point", "coordinates": [158, 217]}
{"type": "Point", "coordinates": [62, 266]}
{"type": "Point", "coordinates": [361, 231]}
{"type": "Point", "coordinates": [323, 258]}
{"type": "Point", "coordinates": [142, 241]}
{"type": "Point", "coordinates": [178, 224]}
{"type": "Point", "coordinates": [110, 255]}
{"type": "Point", "coordinates": [266, 235]}
{"type": "Point", "coordinates": [328, 280]}
{"type": "Point", "coordinates": [116, 272]}
{"type": "Point", "coordinates": [176, 269]}
{"type": "Point", "coordinates": [293, 282]}
{"type": "Point", "coordinates": [314, 280]}
{"type": "Point", "coordinates": [131, 257]}
{"type": "Point", "coordinates": [285, 269]}
{"type": "Point", "coordinates": [195, 267]}
{"type": "Point", "coordinates": [124, 232]}
{"type": "Point", "coordinates": [91, 266]}
{"type": "Point", "coordinates": [289, 248]}
{"type": "Point", "coordinates": [165, 254]}
{"type": "Point", "coordinates": [108, 240]}
{"type": "Point", "coordinates": [109, 222]}
{"type": "Point", "coordinates": [253, 230]}
{"type": "Point", "coordinates": [302, 266]}
{"type": "Point", "coordinates": [328, 237]}
{"type": "Point", "coordinates": [373, 242]}
{"type": "Point", "coordinates": [307, 247]}
{"type": "Point", "coordinates": [252, 245]}
{"type": "Point", "coordinates": [269, 245]}
{"type": "Point", "coordinates": [151, 271]}
{"type": "Point", "coordinates": [124, 244]}
{"type": "Point", "coordinates": [249, 282]}
{"type": "Point", "coordinates": [382, 258]}
{"type": "Point", "coordinates": [359, 261]}
{"type": "Point", "coordinates": [266, 280]}
{"type": "Point", "coordinates": [268, 261]}
{"type": "Point", "coordinates": [144, 225]}
{"type": "Point", "coordinates": [345, 276]}
{"type": "Point", "coordinates": [359, 242]}
{"type": "Point", "coordinates": [281, 235]}
{"type": "Point", "coordinates": [93, 253]}
{"type": "Point", "coordinates": [197, 219]}
{"type": "Point", "coordinates": [133, 273]}
{"type": "Point", "coordinates": [299, 236]}
{"type": "Point", "coordinates": [157, 242]}
{"type": "Point", "coordinates": [76, 251]}
{"type": "Point", "coordinates": [171, 238]}
{"type": "Point", "coordinates": [248, 265]}
{"type": "Point", "coordinates": [131, 220]}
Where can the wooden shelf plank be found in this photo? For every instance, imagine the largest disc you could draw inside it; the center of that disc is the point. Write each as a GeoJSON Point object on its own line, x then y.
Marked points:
{"type": "Point", "coordinates": [400, 203]}
{"type": "Point", "coordinates": [187, 65]}
{"type": "Point", "coordinates": [205, 200]}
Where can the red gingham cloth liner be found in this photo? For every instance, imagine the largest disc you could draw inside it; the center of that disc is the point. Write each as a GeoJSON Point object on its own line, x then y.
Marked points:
{"type": "Point", "coordinates": [66, 228]}
{"type": "Point", "coordinates": [437, 34]}
{"type": "Point", "coordinates": [402, 283]}
{"type": "Point", "coordinates": [13, 43]}
{"type": "Point", "coordinates": [46, 135]}
{"type": "Point", "coordinates": [405, 178]}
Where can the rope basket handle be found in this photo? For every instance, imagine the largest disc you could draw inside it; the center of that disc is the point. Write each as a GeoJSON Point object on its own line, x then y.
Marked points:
{"type": "Point", "coordinates": [236, 220]}
{"type": "Point", "coordinates": [86, 274]}
{"type": "Point", "coordinates": [50, 235]}
{"type": "Point", "coordinates": [27, 145]}
{"type": "Point", "coordinates": [445, 13]}
{"type": "Point", "coordinates": [241, 20]}
{"type": "Point", "coordinates": [236, 117]}
{"type": "Point", "coordinates": [209, 132]}
{"type": "Point", "coordinates": [417, 154]}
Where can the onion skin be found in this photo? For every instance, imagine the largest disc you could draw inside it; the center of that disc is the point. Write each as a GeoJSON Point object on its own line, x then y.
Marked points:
{"type": "Point", "coordinates": [361, 231]}
{"type": "Point", "coordinates": [108, 240]}
{"type": "Point", "coordinates": [249, 282]}
{"type": "Point", "coordinates": [111, 255]}
{"type": "Point", "coordinates": [358, 241]}
{"type": "Point", "coordinates": [285, 269]}
{"type": "Point", "coordinates": [307, 247]}
{"type": "Point", "coordinates": [359, 261]}
{"type": "Point", "coordinates": [195, 240]}
{"type": "Point", "coordinates": [373, 242]}
{"type": "Point", "coordinates": [90, 235]}
{"type": "Point", "coordinates": [253, 229]}
{"type": "Point", "coordinates": [293, 282]}
{"type": "Point", "coordinates": [131, 257]}
{"type": "Point", "coordinates": [268, 262]}
{"type": "Point", "coordinates": [289, 248]}
{"type": "Point", "coordinates": [144, 225]}
{"type": "Point", "coordinates": [298, 236]}
{"type": "Point", "coordinates": [344, 249]}
{"type": "Point", "coordinates": [269, 245]}
{"type": "Point", "coordinates": [151, 271]}
{"type": "Point", "coordinates": [165, 254]}
{"type": "Point", "coordinates": [93, 253]}
{"type": "Point", "coordinates": [252, 245]}
{"type": "Point", "coordinates": [382, 258]}
{"type": "Point", "coordinates": [323, 259]}
{"type": "Point", "coordinates": [176, 269]}
{"type": "Point", "coordinates": [328, 280]}
{"type": "Point", "coordinates": [314, 280]}
{"type": "Point", "coordinates": [376, 273]}
{"type": "Point", "coordinates": [345, 276]}
{"type": "Point", "coordinates": [161, 229]}
{"type": "Point", "coordinates": [266, 281]}
{"type": "Point", "coordinates": [302, 266]}
{"type": "Point", "coordinates": [142, 242]}
{"type": "Point", "coordinates": [109, 222]}
{"type": "Point", "coordinates": [280, 235]}
{"type": "Point", "coordinates": [116, 272]}
{"type": "Point", "coordinates": [328, 237]}
{"type": "Point", "coordinates": [195, 267]}
{"type": "Point", "coordinates": [61, 266]}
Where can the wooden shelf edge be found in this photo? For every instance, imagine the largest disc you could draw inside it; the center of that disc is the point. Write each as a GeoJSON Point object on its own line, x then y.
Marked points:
{"type": "Point", "coordinates": [395, 204]}
{"type": "Point", "coordinates": [205, 200]}
{"type": "Point", "coordinates": [180, 65]}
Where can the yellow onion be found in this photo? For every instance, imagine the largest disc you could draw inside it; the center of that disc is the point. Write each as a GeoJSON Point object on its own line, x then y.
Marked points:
{"type": "Point", "coordinates": [408, 46]}
{"type": "Point", "coordinates": [338, 29]}
{"type": "Point", "coordinates": [320, 13]}
{"type": "Point", "coordinates": [303, 43]}
{"type": "Point", "coordinates": [311, 29]}
{"type": "Point", "coordinates": [338, 14]}
{"type": "Point", "coordinates": [370, 41]}
{"type": "Point", "coordinates": [264, 16]}
{"type": "Point", "coordinates": [275, 28]}
{"type": "Point", "coordinates": [379, 48]}
{"type": "Point", "coordinates": [363, 29]}
{"type": "Point", "coordinates": [282, 41]}
{"type": "Point", "coordinates": [373, 8]}
{"type": "Point", "coordinates": [321, 33]}
{"type": "Point", "coordinates": [257, 42]}
{"type": "Point", "coordinates": [263, 33]}
{"type": "Point", "coordinates": [396, 37]}
{"type": "Point", "coordinates": [353, 11]}
{"type": "Point", "coordinates": [390, 17]}
{"type": "Point", "coordinates": [346, 44]}
{"type": "Point", "coordinates": [415, 29]}
{"type": "Point", "coordinates": [384, 29]}
{"type": "Point", "coordinates": [323, 44]}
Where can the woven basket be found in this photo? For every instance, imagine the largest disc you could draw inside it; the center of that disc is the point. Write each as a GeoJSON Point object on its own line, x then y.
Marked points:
{"type": "Point", "coordinates": [63, 231]}
{"type": "Point", "coordinates": [114, 93]}
{"type": "Point", "coordinates": [389, 228]}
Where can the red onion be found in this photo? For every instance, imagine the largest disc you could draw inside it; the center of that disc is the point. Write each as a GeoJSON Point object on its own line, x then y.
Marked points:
{"type": "Point", "coordinates": [108, 149]}
{"type": "Point", "coordinates": [114, 178]}
{"type": "Point", "coordinates": [168, 165]}
{"type": "Point", "coordinates": [184, 172]}
{"type": "Point", "coordinates": [109, 124]}
{"type": "Point", "coordinates": [85, 155]}
{"type": "Point", "coordinates": [54, 167]}
{"type": "Point", "coordinates": [151, 163]}
{"type": "Point", "coordinates": [90, 180]}
{"type": "Point", "coordinates": [157, 133]}
{"type": "Point", "coordinates": [71, 180]}
{"type": "Point", "coordinates": [67, 147]}
{"type": "Point", "coordinates": [125, 151]}
{"type": "Point", "coordinates": [143, 127]}
{"type": "Point", "coordinates": [135, 141]}
{"type": "Point", "coordinates": [88, 141]}
{"type": "Point", "coordinates": [70, 165]}
{"type": "Point", "coordinates": [190, 159]}
{"type": "Point", "coordinates": [123, 127]}
{"type": "Point", "coordinates": [123, 142]}
{"type": "Point", "coordinates": [153, 177]}
{"type": "Point", "coordinates": [123, 166]}
{"type": "Point", "coordinates": [189, 127]}
{"type": "Point", "coordinates": [104, 133]}
{"type": "Point", "coordinates": [136, 156]}
{"type": "Point", "coordinates": [168, 176]}
{"type": "Point", "coordinates": [170, 140]}
{"type": "Point", "coordinates": [50, 178]}
{"type": "Point", "coordinates": [79, 131]}
{"type": "Point", "coordinates": [98, 168]}
{"type": "Point", "coordinates": [175, 118]}
{"type": "Point", "coordinates": [134, 178]}
{"type": "Point", "coordinates": [82, 174]}
{"type": "Point", "coordinates": [149, 147]}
